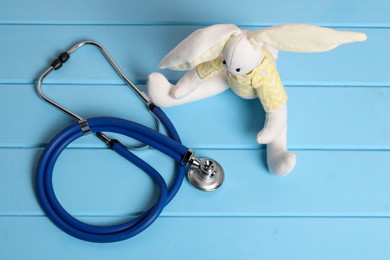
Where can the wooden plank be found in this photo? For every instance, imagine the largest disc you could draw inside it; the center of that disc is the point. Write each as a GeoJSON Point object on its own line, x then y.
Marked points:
{"type": "Point", "coordinates": [138, 50]}
{"type": "Point", "coordinates": [333, 206]}
{"type": "Point", "coordinates": [207, 238]}
{"type": "Point", "coordinates": [99, 183]}
{"type": "Point", "coordinates": [252, 12]}
{"type": "Point", "coordinates": [319, 117]}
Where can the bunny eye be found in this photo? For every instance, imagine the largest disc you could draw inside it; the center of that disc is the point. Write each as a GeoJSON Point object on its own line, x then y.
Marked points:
{"type": "Point", "coordinates": [224, 62]}
{"type": "Point", "coordinates": [238, 69]}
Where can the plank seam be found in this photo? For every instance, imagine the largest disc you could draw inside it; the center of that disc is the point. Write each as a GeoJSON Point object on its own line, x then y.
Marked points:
{"type": "Point", "coordinates": [287, 84]}
{"type": "Point", "coordinates": [189, 24]}
{"type": "Point", "coordinates": [260, 148]}
{"type": "Point", "coordinates": [216, 216]}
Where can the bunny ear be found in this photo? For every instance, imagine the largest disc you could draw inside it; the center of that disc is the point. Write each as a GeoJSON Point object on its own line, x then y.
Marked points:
{"type": "Point", "coordinates": [303, 38]}
{"type": "Point", "coordinates": [202, 45]}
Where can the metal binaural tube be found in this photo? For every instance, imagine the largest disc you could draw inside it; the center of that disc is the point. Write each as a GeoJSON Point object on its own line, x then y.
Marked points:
{"type": "Point", "coordinates": [140, 93]}
{"type": "Point", "coordinates": [59, 62]}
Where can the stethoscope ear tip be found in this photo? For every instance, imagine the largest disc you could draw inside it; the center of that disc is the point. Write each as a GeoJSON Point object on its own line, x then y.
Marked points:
{"type": "Point", "coordinates": [208, 175]}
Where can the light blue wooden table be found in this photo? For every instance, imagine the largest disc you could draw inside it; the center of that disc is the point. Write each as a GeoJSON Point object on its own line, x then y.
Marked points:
{"type": "Point", "coordinates": [335, 205]}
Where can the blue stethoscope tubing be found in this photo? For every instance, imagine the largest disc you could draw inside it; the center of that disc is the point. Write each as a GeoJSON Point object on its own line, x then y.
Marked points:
{"type": "Point", "coordinates": [105, 234]}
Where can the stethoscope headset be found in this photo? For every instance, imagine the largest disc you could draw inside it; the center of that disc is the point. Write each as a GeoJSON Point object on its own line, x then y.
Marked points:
{"type": "Point", "coordinates": [205, 174]}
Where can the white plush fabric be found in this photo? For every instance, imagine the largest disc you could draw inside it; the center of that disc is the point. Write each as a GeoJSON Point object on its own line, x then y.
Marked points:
{"type": "Point", "coordinates": [159, 90]}
{"type": "Point", "coordinates": [202, 45]}
{"type": "Point", "coordinates": [239, 53]}
{"type": "Point", "coordinates": [303, 38]}
{"type": "Point", "coordinates": [186, 84]}
{"type": "Point", "coordinates": [274, 133]}
{"type": "Point", "coordinates": [280, 161]}
{"type": "Point", "coordinates": [275, 122]}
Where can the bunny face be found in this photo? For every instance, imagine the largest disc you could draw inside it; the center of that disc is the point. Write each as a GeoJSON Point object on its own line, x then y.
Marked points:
{"type": "Point", "coordinates": [239, 55]}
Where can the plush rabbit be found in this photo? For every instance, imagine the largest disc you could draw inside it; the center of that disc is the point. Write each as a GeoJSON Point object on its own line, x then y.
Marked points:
{"type": "Point", "coordinates": [222, 56]}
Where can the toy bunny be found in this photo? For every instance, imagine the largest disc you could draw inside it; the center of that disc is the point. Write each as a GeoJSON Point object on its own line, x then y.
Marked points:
{"type": "Point", "coordinates": [222, 56]}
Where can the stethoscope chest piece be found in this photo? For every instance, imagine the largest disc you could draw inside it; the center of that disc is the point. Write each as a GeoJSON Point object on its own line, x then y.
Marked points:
{"type": "Point", "coordinates": [206, 175]}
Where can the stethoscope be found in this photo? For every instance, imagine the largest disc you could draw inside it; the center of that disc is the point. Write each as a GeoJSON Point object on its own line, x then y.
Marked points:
{"type": "Point", "coordinates": [205, 174]}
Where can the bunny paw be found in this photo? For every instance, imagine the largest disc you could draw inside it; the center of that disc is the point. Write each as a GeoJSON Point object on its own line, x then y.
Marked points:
{"type": "Point", "coordinates": [282, 164]}
{"type": "Point", "coordinates": [159, 89]}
